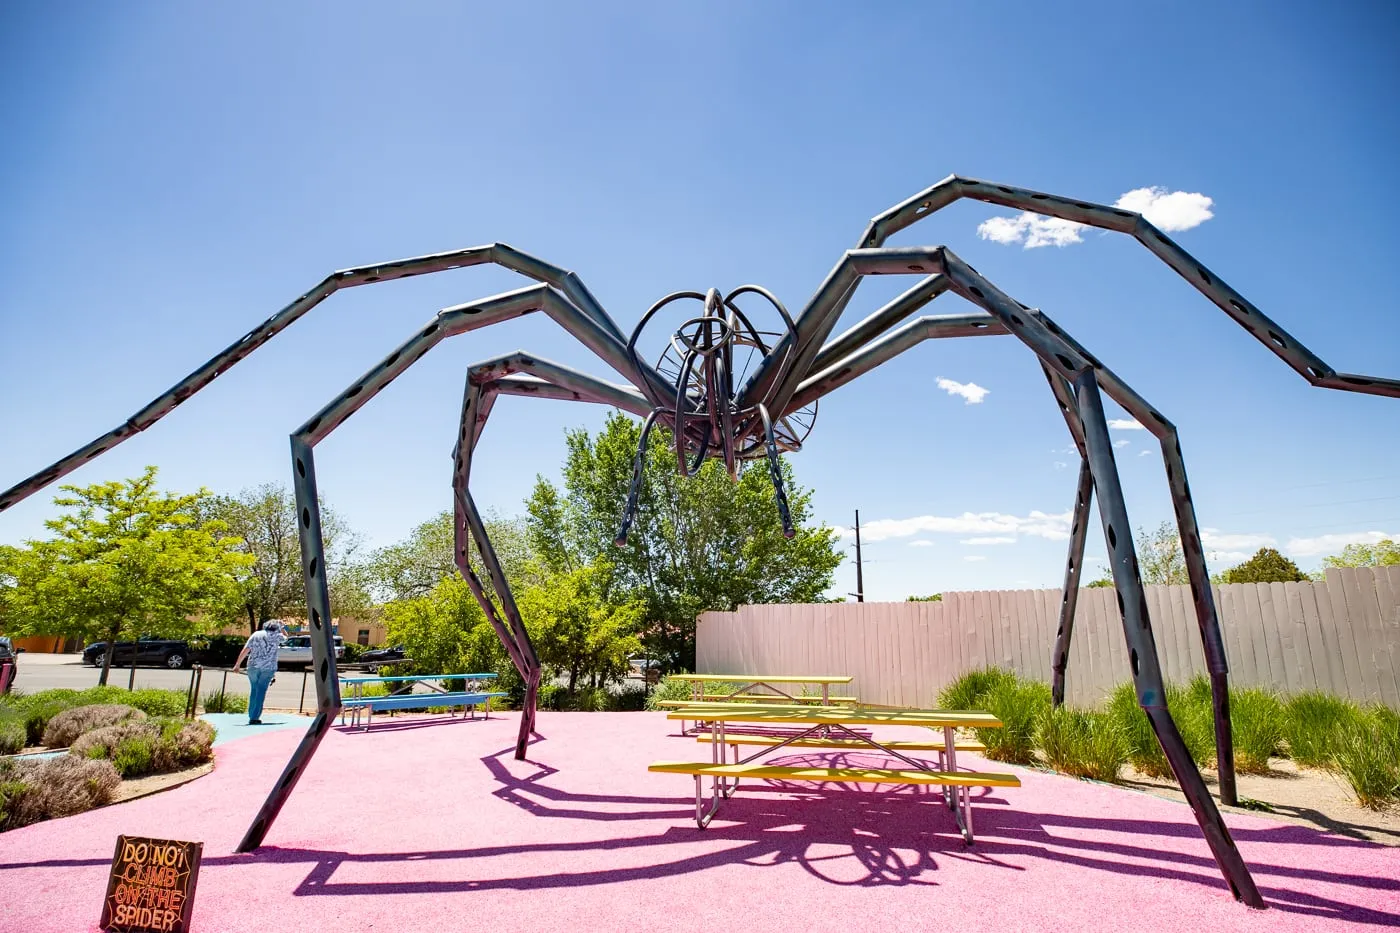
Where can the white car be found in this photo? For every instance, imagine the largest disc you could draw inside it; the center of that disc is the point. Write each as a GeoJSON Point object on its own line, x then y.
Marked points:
{"type": "Point", "coordinates": [296, 651]}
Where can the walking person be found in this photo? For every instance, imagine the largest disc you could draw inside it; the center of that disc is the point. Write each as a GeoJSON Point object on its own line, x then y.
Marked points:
{"type": "Point", "coordinates": [261, 652]}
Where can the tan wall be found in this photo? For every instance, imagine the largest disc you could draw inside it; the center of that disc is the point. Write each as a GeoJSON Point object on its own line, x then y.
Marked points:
{"type": "Point", "coordinates": [47, 644]}
{"type": "Point", "coordinates": [1341, 636]}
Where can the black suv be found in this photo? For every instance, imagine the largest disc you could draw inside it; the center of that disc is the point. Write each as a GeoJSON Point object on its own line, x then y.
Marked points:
{"type": "Point", "coordinates": [152, 652]}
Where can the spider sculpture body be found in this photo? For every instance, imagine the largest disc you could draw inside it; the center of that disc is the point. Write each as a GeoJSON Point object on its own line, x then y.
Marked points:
{"type": "Point", "coordinates": [712, 410]}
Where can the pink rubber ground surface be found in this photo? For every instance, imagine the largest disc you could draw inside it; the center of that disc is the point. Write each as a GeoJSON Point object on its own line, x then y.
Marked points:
{"type": "Point", "coordinates": [436, 827]}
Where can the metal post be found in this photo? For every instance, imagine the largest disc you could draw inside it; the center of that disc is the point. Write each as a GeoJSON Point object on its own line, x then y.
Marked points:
{"type": "Point", "coordinates": [301, 704]}
{"type": "Point", "coordinates": [223, 688]}
{"type": "Point", "coordinates": [860, 578]}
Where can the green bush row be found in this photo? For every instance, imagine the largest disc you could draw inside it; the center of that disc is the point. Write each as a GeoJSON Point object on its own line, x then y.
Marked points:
{"type": "Point", "coordinates": [1317, 730]}
{"type": "Point", "coordinates": [35, 710]}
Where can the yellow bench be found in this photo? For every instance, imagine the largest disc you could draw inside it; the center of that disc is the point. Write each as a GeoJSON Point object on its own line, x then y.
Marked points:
{"type": "Point", "coordinates": [727, 772]}
{"type": "Point", "coordinates": [899, 745]}
{"type": "Point", "coordinates": [841, 775]}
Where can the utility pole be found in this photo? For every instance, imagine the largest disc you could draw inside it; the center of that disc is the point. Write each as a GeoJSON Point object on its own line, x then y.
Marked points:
{"type": "Point", "coordinates": [860, 579]}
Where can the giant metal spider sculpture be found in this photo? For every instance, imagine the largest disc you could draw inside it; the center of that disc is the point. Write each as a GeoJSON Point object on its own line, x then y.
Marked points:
{"type": "Point", "coordinates": [714, 411]}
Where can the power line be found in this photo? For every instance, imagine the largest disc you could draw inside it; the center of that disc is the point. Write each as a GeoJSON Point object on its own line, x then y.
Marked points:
{"type": "Point", "coordinates": [1313, 505]}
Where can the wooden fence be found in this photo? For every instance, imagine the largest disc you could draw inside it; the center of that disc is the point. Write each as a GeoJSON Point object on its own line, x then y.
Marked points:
{"type": "Point", "coordinates": [1341, 636]}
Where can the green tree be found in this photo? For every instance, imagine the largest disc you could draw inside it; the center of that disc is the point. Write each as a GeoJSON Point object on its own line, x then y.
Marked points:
{"type": "Point", "coordinates": [414, 566]}
{"type": "Point", "coordinates": [127, 560]}
{"type": "Point", "coordinates": [935, 598]}
{"type": "Point", "coordinates": [1381, 554]}
{"type": "Point", "coordinates": [445, 631]}
{"type": "Point", "coordinates": [272, 585]}
{"type": "Point", "coordinates": [697, 544]}
{"type": "Point", "coordinates": [1160, 557]}
{"type": "Point", "coordinates": [579, 628]}
{"type": "Point", "coordinates": [1266, 566]}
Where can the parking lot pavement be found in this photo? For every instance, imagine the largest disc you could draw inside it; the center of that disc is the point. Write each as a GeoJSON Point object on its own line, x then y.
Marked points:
{"type": "Point", "coordinates": [47, 671]}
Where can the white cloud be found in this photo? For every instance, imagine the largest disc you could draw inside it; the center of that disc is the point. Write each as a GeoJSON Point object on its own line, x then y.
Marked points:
{"type": "Point", "coordinates": [1144, 453]}
{"type": "Point", "coordinates": [968, 390]}
{"type": "Point", "coordinates": [974, 557]}
{"type": "Point", "coordinates": [1124, 442]}
{"type": "Point", "coordinates": [1325, 545]}
{"type": "Point", "coordinates": [1170, 211]}
{"type": "Point", "coordinates": [995, 539]}
{"type": "Point", "coordinates": [1125, 424]}
{"type": "Point", "coordinates": [1212, 539]}
{"type": "Point", "coordinates": [1036, 524]}
{"type": "Point", "coordinates": [1060, 464]}
{"type": "Point", "coordinates": [1035, 229]}
{"type": "Point", "coordinates": [921, 543]}
{"type": "Point", "coordinates": [1233, 557]}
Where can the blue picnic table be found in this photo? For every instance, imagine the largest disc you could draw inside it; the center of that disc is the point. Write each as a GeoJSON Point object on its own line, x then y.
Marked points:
{"type": "Point", "coordinates": [468, 699]}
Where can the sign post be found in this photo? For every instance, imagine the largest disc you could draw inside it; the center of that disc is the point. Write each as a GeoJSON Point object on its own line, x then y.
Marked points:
{"type": "Point", "coordinates": [151, 887]}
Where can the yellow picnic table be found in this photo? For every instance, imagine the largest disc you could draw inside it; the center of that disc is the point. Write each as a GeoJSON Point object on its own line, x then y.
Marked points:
{"type": "Point", "coordinates": [775, 684]}
{"type": "Point", "coordinates": [830, 727]}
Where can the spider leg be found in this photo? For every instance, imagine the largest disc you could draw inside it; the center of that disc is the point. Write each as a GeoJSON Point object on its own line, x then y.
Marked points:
{"type": "Point", "coordinates": [447, 323]}
{"type": "Point", "coordinates": [1065, 361]}
{"type": "Point", "coordinates": [1069, 595]}
{"type": "Point", "coordinates": [568, 285]}
{"type": "Point", "coordinates": [1268, 332]}
{"type": "Point", "coordinates": [484, 382]}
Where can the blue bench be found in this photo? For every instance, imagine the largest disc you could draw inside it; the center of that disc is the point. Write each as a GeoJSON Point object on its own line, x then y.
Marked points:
{"type": "Point", "coordinates": [357, 703]}
{"type": "Point", "coordinates": [468, 701]}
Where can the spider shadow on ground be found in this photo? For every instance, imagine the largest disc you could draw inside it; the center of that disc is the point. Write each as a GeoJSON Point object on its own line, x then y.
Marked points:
{"type": "Point", "coordinates": [841, 835]}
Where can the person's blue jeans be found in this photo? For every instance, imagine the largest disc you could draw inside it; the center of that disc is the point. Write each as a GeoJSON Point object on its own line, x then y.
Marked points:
{"type": "Point", "coordinates": [258, 679]}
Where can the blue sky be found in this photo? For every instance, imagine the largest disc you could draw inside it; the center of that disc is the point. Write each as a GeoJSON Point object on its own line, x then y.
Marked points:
{"type": "Point", "coordinates": [172, 174]}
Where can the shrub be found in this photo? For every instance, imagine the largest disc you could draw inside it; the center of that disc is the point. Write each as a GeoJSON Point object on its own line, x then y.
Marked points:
{"type": "Point", "coordinates": [549, 696]}
{"type": "Point", "coordinates": [153, 745]}
{"type": "Point", "coordinates": [971, 689]}
{"type": "Point", "coordinates": [1368, 755]}
{"type": "Point", "coordinates": [1083, 743]}
{"type": "Point", "coordinates": [66, 726]}
{"type": "Point", "coordinates": [1198, 690]}
{"type": "Point", "coordinates": [1193, 721]}
{"type": "Point", "coordinates": [183, 744]}
{"type": "Point", "coordinates": [157, 702]}
{"type": "Point", "coordinates": [1019, 705]}
{"type": "Point", "coordinates": [588, 700]}
{"type": "Point", "coordinates": [38, 708]}
{"type": "Point", "coordinates": [12, 731]}
{"type": "Point", "coordinates": [629, 699]}
{"type": "Point", "coordinates": [669, 689]}
{"type": "Point", "coordinates": [1313, 726]}
{"type": "Point", "coordinates": [1256, 719]}
{"type": "Point", "coordinates": [55, 787]}
{"type": "Point", "coordinates": [94, 696]}
{"type": "Point", "coordinates": [216, 702]}
{"type": "Point", "coordinates": [132, 756]}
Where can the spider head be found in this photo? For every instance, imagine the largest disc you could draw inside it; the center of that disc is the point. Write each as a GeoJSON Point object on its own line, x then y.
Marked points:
{"type": "Point", "coordinates": [705, 360]}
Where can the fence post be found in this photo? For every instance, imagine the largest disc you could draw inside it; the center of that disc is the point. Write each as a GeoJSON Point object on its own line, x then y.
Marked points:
{"type": "Point", "coordinates": [301, 704]}
{"type": "Point", "coordinates": [192, 699]}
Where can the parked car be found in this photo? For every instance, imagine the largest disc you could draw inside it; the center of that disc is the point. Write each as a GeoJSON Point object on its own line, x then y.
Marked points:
{"type": "Point", "coordinates": [145, 651]}
{"type": "Point", "coordinates": [375, 657]}
{"type": "Point", "coordinates": [296, 651]}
